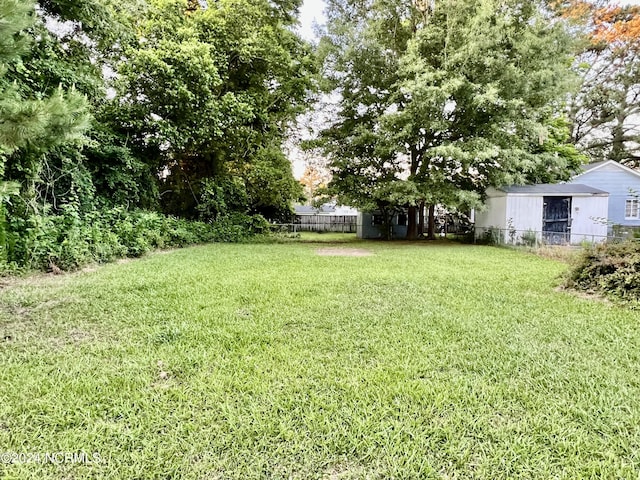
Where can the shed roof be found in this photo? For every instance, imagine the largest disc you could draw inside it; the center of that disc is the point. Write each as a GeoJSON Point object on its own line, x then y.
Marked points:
{"type": "Point", "coordinates": [553, 189]}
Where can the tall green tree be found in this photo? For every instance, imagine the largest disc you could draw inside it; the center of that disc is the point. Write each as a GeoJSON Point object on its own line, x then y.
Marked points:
{"type": "Point", "coordinates": [361, 53]}
{"type": "Point", "coordinates": [34, 119]}
{"type": "Point", "coordinates": [442, 99]}
{"type": "Point", "coordinates": [604, 112]}
{"type": "Point", "coordinates": [32, 124]}
{"type": "Point", "coordinates": [71, 45]}
{"type": "Point", "coordinates": [27, 119]}
{"type": "Point", "coordinates": [208, 93]}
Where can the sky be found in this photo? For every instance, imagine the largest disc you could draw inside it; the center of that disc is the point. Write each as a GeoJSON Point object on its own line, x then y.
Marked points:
{"type": "Point", "coordinates": [310, 13]}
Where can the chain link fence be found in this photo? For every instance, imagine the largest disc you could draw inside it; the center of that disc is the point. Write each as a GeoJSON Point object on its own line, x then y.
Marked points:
{"type": "Point", "coordinates": [487, 235]}
{"type": "Point", "coordinates": [533, 238]}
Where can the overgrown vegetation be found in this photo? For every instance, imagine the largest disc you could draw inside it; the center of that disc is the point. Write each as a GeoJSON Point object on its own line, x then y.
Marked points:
{"type": "Point", "coordinates": [610, 269]}
{"type": "Point", "coordinates": [174, 107]}
{"type": "Point", "coordinates": [182, 107]}
{"type": "Point", "coordinates": [69, 240]}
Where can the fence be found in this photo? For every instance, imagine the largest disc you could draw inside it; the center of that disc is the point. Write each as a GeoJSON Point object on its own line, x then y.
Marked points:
{"type": "Point", "coordinates": [491, 235]}
{"type": "Point", "coordinates": [325, 223]}
{"type": "Point", "coordinates": [531, 238]}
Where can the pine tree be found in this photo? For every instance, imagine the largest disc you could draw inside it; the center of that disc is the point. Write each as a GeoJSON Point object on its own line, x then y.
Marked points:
{"type": "Point", "coordinates": [29, 126]}
{"type": "Point", "coordinates": [33, 122]}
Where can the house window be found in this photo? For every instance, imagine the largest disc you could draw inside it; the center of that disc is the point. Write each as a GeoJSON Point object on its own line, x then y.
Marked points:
{"type": "Point", "coordinates": [632, 209]}
{"type": "Point", "coordinates": [377, 219]}
{"type": "Point", "coordinates": [402, 219]}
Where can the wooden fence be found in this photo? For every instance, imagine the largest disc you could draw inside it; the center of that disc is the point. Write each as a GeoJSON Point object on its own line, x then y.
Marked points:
{"type": "Point", "coordinates": [326, 223]}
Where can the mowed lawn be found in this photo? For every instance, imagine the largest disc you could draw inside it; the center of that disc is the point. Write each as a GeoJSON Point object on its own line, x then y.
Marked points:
{"type": "Point", "coordinates": [271, 361]}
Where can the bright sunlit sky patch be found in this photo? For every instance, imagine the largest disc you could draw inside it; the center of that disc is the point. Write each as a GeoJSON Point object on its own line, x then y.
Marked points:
{"type": "Point", "coordinates": [311, 13]}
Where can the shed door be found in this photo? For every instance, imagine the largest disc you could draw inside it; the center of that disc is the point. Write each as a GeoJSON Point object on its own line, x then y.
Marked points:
{"type": "Point", "coordinates": [556, 223]}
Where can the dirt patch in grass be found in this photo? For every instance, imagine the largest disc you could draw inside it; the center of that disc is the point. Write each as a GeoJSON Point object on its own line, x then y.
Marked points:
{"type": "Point", "coordinates": [587, 295]}
{"type": "Point", "coordinates": [344, 252]}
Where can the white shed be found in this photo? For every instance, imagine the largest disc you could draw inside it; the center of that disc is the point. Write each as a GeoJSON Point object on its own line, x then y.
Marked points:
{"type": "Point", "coordinates": [557, 213]}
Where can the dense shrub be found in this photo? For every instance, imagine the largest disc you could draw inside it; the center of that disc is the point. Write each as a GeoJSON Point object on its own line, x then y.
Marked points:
{"type": "Point", "coordinates": [69, 239]}
{"type": "Point", "coordinates": [609, 269]}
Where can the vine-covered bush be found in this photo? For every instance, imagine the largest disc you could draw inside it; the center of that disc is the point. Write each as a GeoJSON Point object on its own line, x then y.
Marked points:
{"type": "Point", "coordinates": [69, 239]}
{"type": "Point", "coordinates": [609, 269]}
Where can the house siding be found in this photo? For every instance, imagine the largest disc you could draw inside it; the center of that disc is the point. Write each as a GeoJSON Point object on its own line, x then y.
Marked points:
{"type": "Point", "coordinates": [617, 182]}
{"type": "Point", "coordinates": [326, 223]}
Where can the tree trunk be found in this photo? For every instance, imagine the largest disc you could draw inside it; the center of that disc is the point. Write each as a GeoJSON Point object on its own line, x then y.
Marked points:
{"type": "Point", "coordinates": [386, 224]}
{"type": "Point", "coordinates": [432, 223]}
{"type": "Point", "coordinates": [421, 219]}
{"type": "Point", "coordinates": [617, 142]}
{"type": "Point", "coordinates": [412, 226]}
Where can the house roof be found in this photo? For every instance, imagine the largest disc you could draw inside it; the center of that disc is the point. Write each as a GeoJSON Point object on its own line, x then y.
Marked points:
{"type": "Point", "coordinates": [326, 209]}
{"type": "Point", "coordinates": [309, 210]}
{"type": "Point", "coordinates": [590, 167]}
{"type": "Point", "coordinates": [553, 189]}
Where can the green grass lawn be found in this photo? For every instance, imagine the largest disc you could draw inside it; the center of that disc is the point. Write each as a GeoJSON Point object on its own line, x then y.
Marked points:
{"type": "Point", "coordinates": [270, 361]}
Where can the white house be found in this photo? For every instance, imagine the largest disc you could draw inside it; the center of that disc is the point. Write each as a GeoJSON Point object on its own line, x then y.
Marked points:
{"type": "Point", "coordinates": [560, 213]}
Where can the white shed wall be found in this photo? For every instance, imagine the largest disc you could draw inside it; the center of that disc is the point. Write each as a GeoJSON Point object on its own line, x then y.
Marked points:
{"type": "Point", "coordinates": [585, 212]}
{"type": "Point", "coordinates": [525, 213]}
{"type": "Point", "coordinates": [494, 215]}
